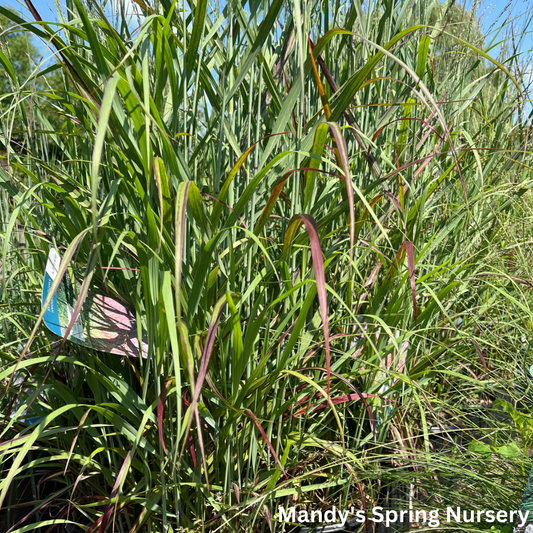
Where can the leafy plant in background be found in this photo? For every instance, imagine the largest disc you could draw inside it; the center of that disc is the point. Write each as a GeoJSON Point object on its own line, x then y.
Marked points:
{"type": "Point", "coordinates": [304, 219]}
{"type": "Point", "coordinates": [21, 78]}
{"type": "Point", "coordinates": [22, 50]}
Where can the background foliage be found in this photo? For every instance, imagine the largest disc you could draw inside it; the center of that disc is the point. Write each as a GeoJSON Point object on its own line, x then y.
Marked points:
{"type": "Point", "coordinates": [320, 215]}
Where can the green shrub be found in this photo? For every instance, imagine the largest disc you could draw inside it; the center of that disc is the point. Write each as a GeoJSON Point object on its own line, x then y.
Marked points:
{"type": "Point", "coordinates": [310, 243]}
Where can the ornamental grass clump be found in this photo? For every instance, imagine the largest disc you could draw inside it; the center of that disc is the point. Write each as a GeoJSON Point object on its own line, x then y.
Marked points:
{"type": "Point", "coordinates": [303, 204]}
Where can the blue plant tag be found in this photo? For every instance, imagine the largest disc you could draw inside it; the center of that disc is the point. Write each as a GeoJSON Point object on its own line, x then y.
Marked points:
{"type": "Point", "coordinates": [51, 316]}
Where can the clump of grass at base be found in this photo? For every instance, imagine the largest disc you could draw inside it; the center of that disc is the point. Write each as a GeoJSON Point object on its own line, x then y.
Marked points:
{"type": "Point", "coordinates": [308, 243]}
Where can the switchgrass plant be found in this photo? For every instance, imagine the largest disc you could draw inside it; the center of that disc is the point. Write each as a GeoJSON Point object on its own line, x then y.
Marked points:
{"type": "Point", "coordinates": [303, 204]}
